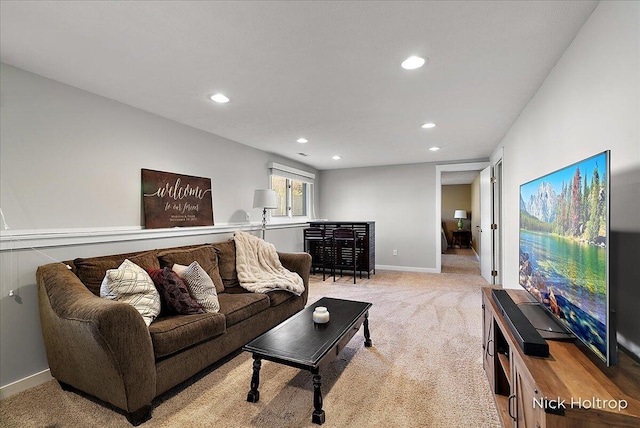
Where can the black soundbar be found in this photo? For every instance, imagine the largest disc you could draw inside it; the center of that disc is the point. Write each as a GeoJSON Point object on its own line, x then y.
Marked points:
{"type": "Point", "coordinates": [525, 334]}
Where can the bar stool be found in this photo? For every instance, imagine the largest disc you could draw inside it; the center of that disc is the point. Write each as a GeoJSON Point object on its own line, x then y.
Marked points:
{"type": "Point", "coordinates": [344, 251]}
{"type": "Point", "coordinates": [318, 242]}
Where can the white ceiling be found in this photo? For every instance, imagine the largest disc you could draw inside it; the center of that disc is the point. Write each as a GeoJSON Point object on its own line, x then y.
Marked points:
{"type": "Point", "coordinates": [448, 178]}
{"type": "Point", "coordinates": [327, 71]}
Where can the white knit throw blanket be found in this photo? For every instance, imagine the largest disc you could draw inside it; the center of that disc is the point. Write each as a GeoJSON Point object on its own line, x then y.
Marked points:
{"type": "Point", "coordinates": [259, 268]}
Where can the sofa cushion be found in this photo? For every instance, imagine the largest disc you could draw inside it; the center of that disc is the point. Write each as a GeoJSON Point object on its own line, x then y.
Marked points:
{"type": "Point", "coordinates": [131, 284]}
{"type": "Point", "coordinates": [279, 296]}
{"type": "Point", "coordinates": [91, 271]}
{"type": "Point", "coordinates": [174, 333]}
{"type": "Point", "coordinates": [205, 255]}
{"type": "Point", "coordinates": [238, 307]}
{"type": "Point", "coordinates": [276, 297]}
{"type": "Point", "coordinates": [200, 285]}
{"type": "Point", "coordinates": [174, 295]}
{"type": "Point", "coordinates": [227, 262]}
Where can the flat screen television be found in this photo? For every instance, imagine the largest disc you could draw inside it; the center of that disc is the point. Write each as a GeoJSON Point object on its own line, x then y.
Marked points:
{"type": "Point", "coordinates": [564, 253]}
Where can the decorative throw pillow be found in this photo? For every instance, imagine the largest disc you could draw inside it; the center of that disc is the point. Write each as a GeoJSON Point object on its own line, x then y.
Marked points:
{"type": "Point", "coordinates": [200, 285]}
{"type": "Point", "coordinates": [174, 295]}
{"type": "Point", "coordinates": [91, 270]}
{"type": "Point", "coordinates": [205, 255]}
{"type": "Point", "coordinates": [133, 285]}
{"type": "Point", "coordinates": [227, 263]}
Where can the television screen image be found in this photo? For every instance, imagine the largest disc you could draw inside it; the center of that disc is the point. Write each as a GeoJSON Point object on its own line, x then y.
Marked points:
{"type": "Point", "coordinates": [564, 228]}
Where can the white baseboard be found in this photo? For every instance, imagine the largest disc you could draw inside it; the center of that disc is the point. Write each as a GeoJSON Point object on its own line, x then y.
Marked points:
{"type": "Point", "coordinates": [26, 383]}
{"type": "Point", "coordinates": [406, 268]}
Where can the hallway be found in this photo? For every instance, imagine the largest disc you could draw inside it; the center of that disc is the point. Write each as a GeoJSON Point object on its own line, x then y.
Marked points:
{"type": "Point", "coordinates": [460, 261]}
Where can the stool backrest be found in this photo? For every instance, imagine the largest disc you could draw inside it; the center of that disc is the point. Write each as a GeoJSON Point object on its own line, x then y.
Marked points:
{"type": "Point", "coordinates": [344, 233]}
{"type": "Point", "coordinates": [314, 233]}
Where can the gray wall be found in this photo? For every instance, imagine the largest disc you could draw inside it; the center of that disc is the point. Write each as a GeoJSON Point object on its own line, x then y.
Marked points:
{"type": "Point", "coordinates": [589, 103]}
{"type": "Point", "coordinates": [71, 160]}
{"type": "Point", "coordinates": [400, 199]}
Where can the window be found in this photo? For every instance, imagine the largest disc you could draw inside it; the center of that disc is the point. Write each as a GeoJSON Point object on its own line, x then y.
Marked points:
{"type": "Point", "coordinates": [293, 189]}
{"type": "Point", "coordinates": [298, 198]}
{"type": "Point", "coordinates": [292, 197]}
{"type": "Point", "coordinates": [280, 185]}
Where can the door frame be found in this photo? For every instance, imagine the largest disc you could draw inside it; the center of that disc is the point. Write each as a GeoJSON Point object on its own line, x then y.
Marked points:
{"type": "Point", "coordinates": [497, 166]}
{"type": "Point", "coordinates": [471, 166]}
{"type": "Point", "coordinates": [487, 235]}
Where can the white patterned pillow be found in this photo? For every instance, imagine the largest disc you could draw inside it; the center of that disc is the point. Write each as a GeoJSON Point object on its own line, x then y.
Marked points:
{"type": "Point", "coordinates": [200, 285]}
{"type": "Point", "coordinates": [131, 284]}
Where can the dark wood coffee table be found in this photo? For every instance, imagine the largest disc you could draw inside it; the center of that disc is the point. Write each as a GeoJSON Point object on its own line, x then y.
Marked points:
{"type": "Point", "coordinates": [301, 343]}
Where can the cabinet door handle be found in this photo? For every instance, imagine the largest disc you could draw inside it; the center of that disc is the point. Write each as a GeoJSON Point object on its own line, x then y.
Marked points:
{"type": "Point", "coordinates": [489, 342]}
{"type": "Point", "coordinates": [510, 397]}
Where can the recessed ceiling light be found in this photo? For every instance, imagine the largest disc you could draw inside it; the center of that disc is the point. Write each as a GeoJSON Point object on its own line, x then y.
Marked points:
{"type": "Point", "coordinates": [434, 148]}
{"type": "Point", "coordinates": [302, 140]}
{"type": "Point", "coordinates": [337, 157]}
{"type": "Point", "coordinates": [413, 62]}
{"type": "Point", "coordinates": [219, 98]}
{"type": "Point", "coordinates": [429, 125]}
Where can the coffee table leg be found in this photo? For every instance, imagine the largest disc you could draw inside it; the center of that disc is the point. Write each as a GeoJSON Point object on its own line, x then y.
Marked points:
{"type": "Point", "coordinates": [367, 336]}
{"type": "Point", "coordinates": [254, 395]}
{"type": "Point", "coordinates": [318, 413]}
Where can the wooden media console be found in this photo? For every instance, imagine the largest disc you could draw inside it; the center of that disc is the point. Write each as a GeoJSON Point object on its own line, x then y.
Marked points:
{"type": "Point", "coordinates": [565, 389]}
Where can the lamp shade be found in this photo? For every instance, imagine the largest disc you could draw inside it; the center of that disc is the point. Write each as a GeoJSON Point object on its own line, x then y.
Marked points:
{"type": "Point", "coordinates": [460, 214]}
{"type": "Point", "coordinates": [265, 198]}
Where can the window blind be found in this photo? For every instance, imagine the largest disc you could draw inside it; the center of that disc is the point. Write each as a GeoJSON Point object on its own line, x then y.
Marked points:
{"type": "Point", "coordinates": [291, 173]}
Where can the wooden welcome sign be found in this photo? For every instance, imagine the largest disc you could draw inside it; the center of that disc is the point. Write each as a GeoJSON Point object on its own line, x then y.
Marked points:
{"type": "Point", "coordinates": [175, 200]}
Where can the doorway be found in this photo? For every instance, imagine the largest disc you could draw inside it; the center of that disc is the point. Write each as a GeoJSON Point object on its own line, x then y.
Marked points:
{"type": "Point", "coordinates": [459, 213]}
{"type": "Point", "coordinates": [452, 173]}
{"type": "Point", "coordinates": [493, 241]}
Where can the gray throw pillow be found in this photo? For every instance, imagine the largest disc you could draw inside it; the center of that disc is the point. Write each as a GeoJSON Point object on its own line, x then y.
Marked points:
{"type": "Point", "coordinates": [200, 285]}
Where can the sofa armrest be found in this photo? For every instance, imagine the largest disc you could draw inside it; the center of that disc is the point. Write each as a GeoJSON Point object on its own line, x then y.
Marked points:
{"type": "Point", "coordinates": [96, 345]}
{"type": "Point", "coordinates": [299, 263]}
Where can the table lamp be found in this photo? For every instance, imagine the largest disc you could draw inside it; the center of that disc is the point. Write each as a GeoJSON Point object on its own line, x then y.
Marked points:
{"type": "Point", "coordinates": [460, 214]}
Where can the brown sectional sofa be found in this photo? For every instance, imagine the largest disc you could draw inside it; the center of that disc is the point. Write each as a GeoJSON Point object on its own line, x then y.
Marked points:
{"type": "Point", "coordinates": [104, 348]}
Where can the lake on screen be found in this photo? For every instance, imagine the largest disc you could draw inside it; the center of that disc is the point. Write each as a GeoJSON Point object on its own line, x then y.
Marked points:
{"type": "Point", "coordinates": [576, 271]}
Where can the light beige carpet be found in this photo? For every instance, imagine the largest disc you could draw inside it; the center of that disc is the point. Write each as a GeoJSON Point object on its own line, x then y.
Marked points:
{"type": "Point", "coordinates": [424, 370]}
{"type": "Point", "coordinates": [460, 261]}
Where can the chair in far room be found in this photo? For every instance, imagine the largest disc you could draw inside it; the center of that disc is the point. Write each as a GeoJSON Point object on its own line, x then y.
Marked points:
{"type": "Point", "coordinates": [444, 245]}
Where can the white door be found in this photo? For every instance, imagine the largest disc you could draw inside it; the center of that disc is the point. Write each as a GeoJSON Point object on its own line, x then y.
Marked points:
{"type": "Point", "coordinates": [497, 220]}
{"type": "Point", "coordinates": [486, 235]}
